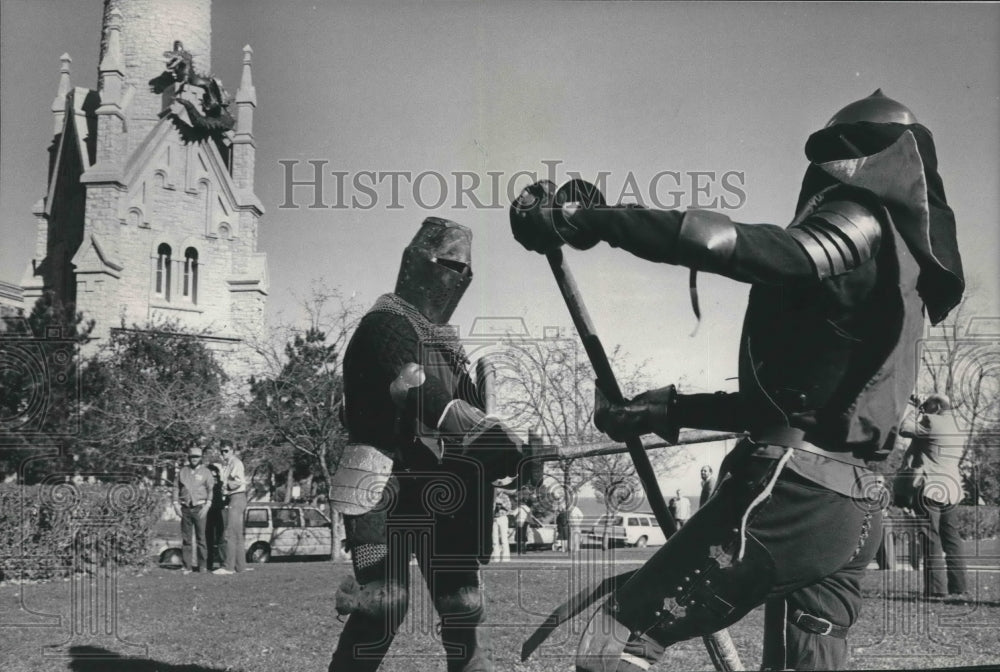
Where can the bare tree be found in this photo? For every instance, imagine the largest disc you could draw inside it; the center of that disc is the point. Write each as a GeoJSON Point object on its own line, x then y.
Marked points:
{"type": "Point", "coordinates": [961, 358]}
{"type": "Point", "coordinates": [295, 405]}
{"type": "Point", "coordinates": [548, 385]}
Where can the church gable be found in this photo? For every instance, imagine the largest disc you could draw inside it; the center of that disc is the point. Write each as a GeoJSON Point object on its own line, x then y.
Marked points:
{"type": "Point", "coordinates": [164, 167]}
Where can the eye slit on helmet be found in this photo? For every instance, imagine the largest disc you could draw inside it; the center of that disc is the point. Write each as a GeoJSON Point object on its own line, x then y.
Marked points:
{"type": "Point", "coordinates": [453, 265]}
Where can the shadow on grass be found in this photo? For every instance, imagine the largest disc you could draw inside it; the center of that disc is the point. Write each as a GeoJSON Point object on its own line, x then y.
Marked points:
{"type": "Point", "coordinates": [96, 659]}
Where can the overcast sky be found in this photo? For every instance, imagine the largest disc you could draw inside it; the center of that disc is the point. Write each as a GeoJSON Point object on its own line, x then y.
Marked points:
{"type": "Point", "coordinates": [631, 89]}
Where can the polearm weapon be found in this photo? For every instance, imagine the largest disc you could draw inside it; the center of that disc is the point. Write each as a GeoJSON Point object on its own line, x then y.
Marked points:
{"type": "Point", "coordinates": [608, 384]}
{"type": "Point", "coordinates": [720, 645]}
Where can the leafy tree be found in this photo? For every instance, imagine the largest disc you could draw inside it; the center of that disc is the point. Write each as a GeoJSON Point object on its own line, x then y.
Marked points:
{"type": "Point", "coordinates": [299, 407]}
{"type": "Point", "coordinates": [40, 379]}
{"type": "Point", "coordinates": [149, 391]}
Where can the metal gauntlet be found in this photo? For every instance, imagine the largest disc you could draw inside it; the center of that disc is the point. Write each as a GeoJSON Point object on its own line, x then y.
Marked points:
{"type": "Point", "coordinates": [468, 431]}
{"type": "Point", "coordinates": [650, 412]}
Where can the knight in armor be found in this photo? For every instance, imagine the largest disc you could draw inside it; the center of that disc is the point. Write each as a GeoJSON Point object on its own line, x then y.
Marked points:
{"type": "Point", "coordinates": [411, 404]}
{"type": "Point", "coordinates": [826, 367]}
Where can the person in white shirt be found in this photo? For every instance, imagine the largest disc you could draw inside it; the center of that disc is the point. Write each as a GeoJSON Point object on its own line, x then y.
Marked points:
{"type": "Point", "coordinates": [935, 451]}
{"type": "Point", "coordinates": [501, 508]}
{"type": "Point", "coordinates": [234, 492]}
{"type": "Point", "coordinates": [682, 508]}
{"type": "Point", "coordinates": [575, 516]}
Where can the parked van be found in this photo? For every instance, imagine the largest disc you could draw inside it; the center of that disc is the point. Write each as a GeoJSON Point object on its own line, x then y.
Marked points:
{"type": "Point", "coordinates": [270, 529]}
{"type": "Point", "coordinates": [638, 529]}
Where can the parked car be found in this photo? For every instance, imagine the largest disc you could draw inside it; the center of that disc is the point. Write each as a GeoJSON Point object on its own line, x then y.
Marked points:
{"type": "Point", "coordinates": [637, 529]}
{"type": "Point", "coordinates": [541, 537]}
{"type": "Point", "coordinates": [282, 530]}
{"type": "Point", "coordinates": [270, 529]}
{"type": "Point", "coordinates": [165, 544]}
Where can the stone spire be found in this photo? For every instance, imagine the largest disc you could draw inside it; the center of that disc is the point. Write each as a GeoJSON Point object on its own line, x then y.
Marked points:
{"type": "Point", "coordinates": [244, 148]}
{"type": "Point", "coordinates": [246, 96]}
{"type": "Point", "coordinates": [111, 71]}
{"type": "Point", "coordinates": [247, 93]}
{"type": "Point", "coordinates": [59, 102]}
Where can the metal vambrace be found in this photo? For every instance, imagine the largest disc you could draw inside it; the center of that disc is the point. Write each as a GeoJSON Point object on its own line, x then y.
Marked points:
{"type": "Point", "coordinates": [471, 432]}
{"type": "Point", "coordinates": [706, 242]}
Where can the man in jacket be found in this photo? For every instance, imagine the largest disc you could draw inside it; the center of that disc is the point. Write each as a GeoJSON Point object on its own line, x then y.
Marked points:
{"type": "Point", "coordinates": [192, 499]}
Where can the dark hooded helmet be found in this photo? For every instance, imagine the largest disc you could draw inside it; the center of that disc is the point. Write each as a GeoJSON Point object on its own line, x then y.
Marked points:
{"type": "Point", "coordinates": [876, 144]}
{"type": "Point", "coordinates": [436, 268]}
{"type": "Point", "coordinates": [876, 108]}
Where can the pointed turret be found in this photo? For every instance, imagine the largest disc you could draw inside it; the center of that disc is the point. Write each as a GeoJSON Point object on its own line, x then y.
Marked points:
{"type": "Point", "coordinates": [247, 93]}
{"type": "Point", "coordinates": [244, 148]}
{"type": "Point", "coordinates": [59, 102]}
{"type": "Point", "coordinates": [111, 72]}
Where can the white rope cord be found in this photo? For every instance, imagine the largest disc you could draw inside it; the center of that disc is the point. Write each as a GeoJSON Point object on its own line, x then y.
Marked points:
{"type": "Point", "coordinates": [636, 660]}
{"type": "Point", "coordinates": [760, 498]}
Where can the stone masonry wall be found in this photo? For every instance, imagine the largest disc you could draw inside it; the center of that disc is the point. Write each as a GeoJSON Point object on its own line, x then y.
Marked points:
{"type": "Point", "coordinates": [149, 28]}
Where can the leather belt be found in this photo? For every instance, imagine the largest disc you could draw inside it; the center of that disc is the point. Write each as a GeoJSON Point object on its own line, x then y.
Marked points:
{"type": "Point", "coordinates": [816, 625]}
{"type": "Point", "coordinates": [792, 437]}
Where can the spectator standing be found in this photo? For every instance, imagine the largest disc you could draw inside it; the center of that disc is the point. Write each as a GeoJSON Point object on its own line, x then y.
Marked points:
{"type": "Point", "coordinates": [562, 529]}
{"type": "Point", "coordinates": [681, 508]}
{"type": "Point", "coordinates": [192, 499]}
{"type": "Point", "coordinates": [215, 529]}
{"type": "Point", "coordinates": [935, 452]}
{"type": "Point", "coordinates": [501, 545]}
{"type": "Point", "coordinates": [234, 487]}
{"type": "Point", "coordinates": [575, 516]}
{"type": "Point", "coordinates": [522, 517]}
{"type": "Point", "coordinates": [707, 485]}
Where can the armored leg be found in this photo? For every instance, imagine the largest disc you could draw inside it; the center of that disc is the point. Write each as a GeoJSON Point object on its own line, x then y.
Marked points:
{"type": "Point", "coordinates": [741, 549]}
{"type": "Point", "coordinates": [706, 577]}
{"type": "Point", "coordinates": [366, 638]}
{"type": "Point", "coordinates": [377, 607]}
{"type": "Point", "coordinates": [376, 597]}
{"type": "Point", "coordinates": [460, 602]}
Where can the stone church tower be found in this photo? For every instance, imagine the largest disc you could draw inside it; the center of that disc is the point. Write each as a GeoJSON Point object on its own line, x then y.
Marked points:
{"type": "Point", "coordinates": [150, 213]}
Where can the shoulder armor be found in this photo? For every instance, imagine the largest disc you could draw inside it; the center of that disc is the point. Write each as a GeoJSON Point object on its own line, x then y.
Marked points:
{"type": "Point", "coordinates": [838, 236]}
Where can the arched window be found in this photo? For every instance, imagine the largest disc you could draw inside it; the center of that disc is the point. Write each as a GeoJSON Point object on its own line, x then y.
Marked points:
{"type": "Point", "coordinates": [191, 274]}
{"type": "Point", "coordinates": [163, 271]}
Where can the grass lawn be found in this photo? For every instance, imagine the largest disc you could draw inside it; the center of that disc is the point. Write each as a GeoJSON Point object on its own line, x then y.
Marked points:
{"type": "Point", "coordinates": [281, 617]}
